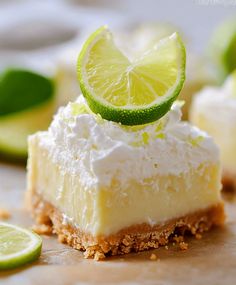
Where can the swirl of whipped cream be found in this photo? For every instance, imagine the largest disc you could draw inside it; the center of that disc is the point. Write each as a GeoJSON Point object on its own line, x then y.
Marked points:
{"type": "Point", "coordinates": [101, 151]}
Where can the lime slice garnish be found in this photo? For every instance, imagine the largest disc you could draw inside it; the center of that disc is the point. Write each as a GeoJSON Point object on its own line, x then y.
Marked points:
{"type": "Point", "coordinates": [26, 106]}
{"type": "Point", "coordinates": [222, 48]}
{"type": "Point", "coordinates": [131, 93]}
{"type": "Point", "coordinates": [18, 246]}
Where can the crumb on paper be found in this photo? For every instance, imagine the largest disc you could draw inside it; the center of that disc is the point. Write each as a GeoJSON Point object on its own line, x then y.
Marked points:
{"type": "Point", "coordinates": [178, 239]}
{"type": "Point", "coordinates": [4, 214]}
{"type": "Point", "coordinates": [61, 239]}
{"type": "Point", "coordinates": [153, 256]}
{"type": "Point", "coordinates": [198, 236]}
{"type": "Point", "coordinates": [183, 245]}
{"type": "Point", "coordinates": [42, 229]}
{"type": "Point", "coordinates": [193, 230]}
{"type": "Point", "coordinates": [99, 256]}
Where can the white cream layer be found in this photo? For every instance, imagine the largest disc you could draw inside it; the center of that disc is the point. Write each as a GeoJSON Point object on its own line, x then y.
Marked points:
{"type": "Point", "coordinates": [98, 150]}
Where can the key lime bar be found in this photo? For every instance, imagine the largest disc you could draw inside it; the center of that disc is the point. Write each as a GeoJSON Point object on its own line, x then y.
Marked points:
{"type": "Point", "coordinates": [110, 189]}
{"type": "Point", "coordinates": [118, 171]}
{"type": "Point", "coordinates": [214, 110]}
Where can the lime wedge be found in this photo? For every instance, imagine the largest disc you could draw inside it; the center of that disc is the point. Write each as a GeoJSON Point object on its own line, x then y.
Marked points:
{"type": "Point", "coordinates": [131, 93]}
{"type": "Point", "coordinates": [26, 106]}
{"type": "Point", "coordinates": [222, 48]}
{"type": "Point", "coordinates": [18, 246]}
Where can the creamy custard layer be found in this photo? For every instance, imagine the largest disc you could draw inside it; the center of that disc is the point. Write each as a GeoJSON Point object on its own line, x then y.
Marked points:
{"type": "Point", "coordinates": [106, 210]}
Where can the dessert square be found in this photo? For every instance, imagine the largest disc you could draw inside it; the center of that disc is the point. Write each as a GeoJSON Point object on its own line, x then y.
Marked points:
{"type": "Point", "coordinates": [214, 110]}
{"type": "Point", "coordinates": [109, 189]}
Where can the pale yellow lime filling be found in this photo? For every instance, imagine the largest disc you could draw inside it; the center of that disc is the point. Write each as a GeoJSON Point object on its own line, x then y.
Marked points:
{"type": "Point", "coordinates": [105, 211]}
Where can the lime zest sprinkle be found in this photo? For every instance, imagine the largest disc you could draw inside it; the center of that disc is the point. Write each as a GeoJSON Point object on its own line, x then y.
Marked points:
{"type": "Point", "coordinates": [159, 127]}
{"type": "Point", "coordinates": [137, 143]}
{"type": "Point", "coordinates": [134, 128]}
{"type": "Point", "coordinates": [145, 137]}
{"type": "Point", "coordinates": [196, 141]}
{"type": "Point", "coordinates": [160, 136]}
{"type": "Point", "coordinates": [94, 147]}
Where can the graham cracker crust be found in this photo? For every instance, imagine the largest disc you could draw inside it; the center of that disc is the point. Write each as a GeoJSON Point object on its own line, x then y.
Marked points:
{"type": "Point", "coordinates": [132, 239]}
{"type": "Point", "coordinates": [229, 181]}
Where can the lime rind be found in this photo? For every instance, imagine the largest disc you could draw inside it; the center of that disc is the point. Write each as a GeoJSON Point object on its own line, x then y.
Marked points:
{"type": "Point", "coordinates": [26, 255]}
{"type": "Point", "coordinates": [124, 114]}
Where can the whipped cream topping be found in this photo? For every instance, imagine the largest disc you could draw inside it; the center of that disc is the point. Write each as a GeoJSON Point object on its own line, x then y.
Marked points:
{"type": "Point", "coordinates": [101, 151]}
{"type": "Point", "coordinates": [218, 103]}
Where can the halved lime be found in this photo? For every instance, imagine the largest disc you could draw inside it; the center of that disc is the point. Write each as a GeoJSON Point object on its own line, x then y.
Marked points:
{"type": "Point", "coordinates": [223, 48]}
{"type": "Point", "coordinates": [131, 93]}
{"type": "Point", "coordinates": [18, 246]}
{"type": "Point", "coordinates": [26, 106]}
